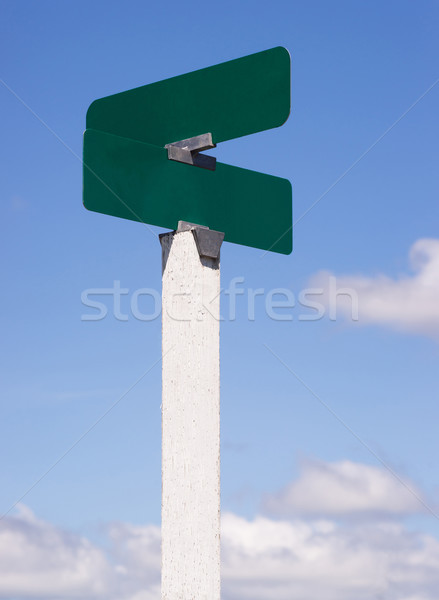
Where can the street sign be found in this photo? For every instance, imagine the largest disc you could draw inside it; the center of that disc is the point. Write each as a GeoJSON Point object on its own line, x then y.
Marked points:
{"type": "Point", "coordinates": [232, 99]}
{"type": "Point", "coordinates": [128, 172]}
{"type": "Point", "coordinates": [136, 181]}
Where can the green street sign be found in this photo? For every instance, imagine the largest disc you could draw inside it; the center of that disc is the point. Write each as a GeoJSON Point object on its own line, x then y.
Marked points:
{"type": "Point", "coordinates": [251, 208]}
{"type": "Point", "coordinates": [129, 173]}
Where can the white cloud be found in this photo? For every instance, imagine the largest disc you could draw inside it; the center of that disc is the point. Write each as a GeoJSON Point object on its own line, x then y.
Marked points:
{"type": "Point", "coordinates": [39, 560]}
{"type": "Point", "coordinates": [408, 303]}
{"type": "Point", "coordinates": [345, 488]}
{"type": "Point", "coordinates": [306, 560]}
{"type": "Point", "coordinates": [261, 559]}
{"type": "Point", "coordinates": [136, 551]}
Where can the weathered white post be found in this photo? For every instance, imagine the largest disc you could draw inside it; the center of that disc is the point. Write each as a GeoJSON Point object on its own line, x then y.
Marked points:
{"type": "Point", "coordinates": [190, 414]}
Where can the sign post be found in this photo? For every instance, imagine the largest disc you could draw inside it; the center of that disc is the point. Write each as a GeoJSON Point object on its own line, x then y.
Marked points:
{"type": "Point", "coordinates": [143, 161]}
{"type": "Point", "coordinates": [190, 419]}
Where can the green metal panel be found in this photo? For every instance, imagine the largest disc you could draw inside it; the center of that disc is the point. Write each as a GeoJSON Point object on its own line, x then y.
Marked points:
{"type": "Point", "coordinates": [134, 180]}
{"type": "Point", "coordinates": [229, 100]}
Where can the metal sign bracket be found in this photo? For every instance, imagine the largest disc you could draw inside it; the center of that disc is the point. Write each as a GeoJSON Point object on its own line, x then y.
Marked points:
{"type": "Point", "coordinates": [188, 151]}
{"type": "Point", "coordinates": [207, 240]}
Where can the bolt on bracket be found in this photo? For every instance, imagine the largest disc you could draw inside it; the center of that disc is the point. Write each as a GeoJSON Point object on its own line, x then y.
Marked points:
{"type": "Point", "coordinates": [188, 151]}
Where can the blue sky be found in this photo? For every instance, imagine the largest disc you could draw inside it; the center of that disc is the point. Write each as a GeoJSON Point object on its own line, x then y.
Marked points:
{"type": "Point", "coordinates": [360, 149]}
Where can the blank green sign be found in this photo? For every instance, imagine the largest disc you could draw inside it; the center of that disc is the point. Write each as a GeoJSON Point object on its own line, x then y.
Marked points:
{"type": "Point", "coordinates": [127, 172]}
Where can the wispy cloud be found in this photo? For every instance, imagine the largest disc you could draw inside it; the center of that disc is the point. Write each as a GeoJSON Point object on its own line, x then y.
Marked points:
{"type": "Point", "coordinates": [18, 204]}
{"type": "Point", "coordinates": [408, 303]}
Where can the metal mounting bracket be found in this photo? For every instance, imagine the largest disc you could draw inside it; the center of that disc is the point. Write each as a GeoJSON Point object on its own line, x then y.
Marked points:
{"type": "Point", "coordinates": [188, 151]}
{"type": "Point", "coordinates": [207, 240]}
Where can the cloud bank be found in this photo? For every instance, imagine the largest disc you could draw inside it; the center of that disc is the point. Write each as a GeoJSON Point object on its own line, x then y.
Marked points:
{"type": "Point", "coordinates": [297, 558]}
{"type": "Point", "coordinates": [307, 560]}
{"type": "Point", "coordinates": [409, 303]}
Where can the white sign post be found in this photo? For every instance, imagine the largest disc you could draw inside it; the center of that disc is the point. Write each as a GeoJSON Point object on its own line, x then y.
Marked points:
{"type": "Point", "coordinates": [191, 414]}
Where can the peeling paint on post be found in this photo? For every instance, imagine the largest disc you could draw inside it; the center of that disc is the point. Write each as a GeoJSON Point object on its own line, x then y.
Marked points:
{"type": "Point", "coordinates": [190, 421]}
